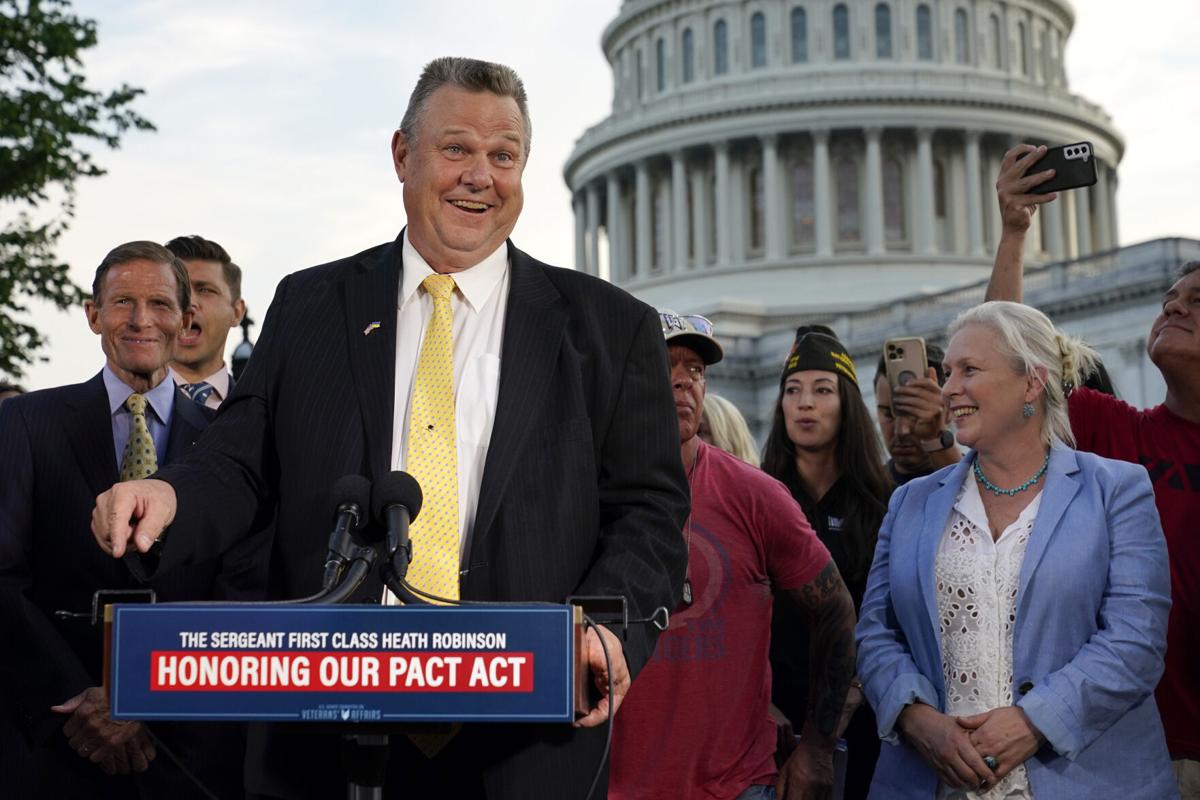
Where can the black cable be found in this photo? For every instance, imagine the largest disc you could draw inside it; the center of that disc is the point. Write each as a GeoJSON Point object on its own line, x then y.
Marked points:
{"type": "Point", "coordinates": [588, 623]}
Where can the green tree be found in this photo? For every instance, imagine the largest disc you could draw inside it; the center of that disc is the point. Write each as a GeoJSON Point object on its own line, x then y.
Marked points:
{"type": "Point", "coordinates": [48, 118]}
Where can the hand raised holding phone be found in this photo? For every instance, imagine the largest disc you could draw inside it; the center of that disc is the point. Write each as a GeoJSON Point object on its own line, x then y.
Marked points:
{"type": "Point", "coordinates": [1014, 187]}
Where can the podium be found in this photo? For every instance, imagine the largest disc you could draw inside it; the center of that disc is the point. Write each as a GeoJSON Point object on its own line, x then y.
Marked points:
{"type": "Point", "coordinates": [361, 672]}
{"type": "Point", "coordinates": [315, 663]}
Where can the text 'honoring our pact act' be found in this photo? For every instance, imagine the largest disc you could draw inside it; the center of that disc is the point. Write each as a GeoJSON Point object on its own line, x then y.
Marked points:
{"type": "Point", "coordinates": [286, 661]}
{"type": "Point", "coordinates": [316, 671]}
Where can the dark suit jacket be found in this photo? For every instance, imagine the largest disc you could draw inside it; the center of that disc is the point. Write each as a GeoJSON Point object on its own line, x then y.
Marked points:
{"type": "Point", "coordinates": [582, 493]}
{"type": "Point", "coordinates": [57, 448]}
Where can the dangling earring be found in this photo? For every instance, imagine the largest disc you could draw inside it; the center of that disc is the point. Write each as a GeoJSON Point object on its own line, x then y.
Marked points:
{"type": "Point", "coordinates": [1027, 410]}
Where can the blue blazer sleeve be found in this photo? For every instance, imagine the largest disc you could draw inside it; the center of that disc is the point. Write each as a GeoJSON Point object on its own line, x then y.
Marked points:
{"type": "Point", "coordinates": [889, 673]}
{"type": "Point", "coordinates": [1121, 662]}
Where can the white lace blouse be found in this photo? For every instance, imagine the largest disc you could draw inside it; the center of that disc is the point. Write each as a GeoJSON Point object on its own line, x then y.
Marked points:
{"type": "Point", "coordinates": [977, 581]}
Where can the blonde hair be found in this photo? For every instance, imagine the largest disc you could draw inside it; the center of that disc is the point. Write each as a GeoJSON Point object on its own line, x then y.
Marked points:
{"type": "Point", "coordinates": [1031, 343]}
{"type": "Point", "coordinates": [729, 429]}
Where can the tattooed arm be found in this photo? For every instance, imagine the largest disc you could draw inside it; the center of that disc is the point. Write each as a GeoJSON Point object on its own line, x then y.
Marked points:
{"type": "Point", "coordinates": [826, 602]}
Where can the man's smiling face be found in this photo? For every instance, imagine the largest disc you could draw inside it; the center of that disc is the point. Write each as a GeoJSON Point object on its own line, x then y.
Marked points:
{"type": "Point", "coordinates": [462, 176]}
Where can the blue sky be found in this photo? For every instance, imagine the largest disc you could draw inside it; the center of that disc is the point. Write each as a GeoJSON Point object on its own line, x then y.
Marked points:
{"type": "Point", "coordinates": [274, 120]}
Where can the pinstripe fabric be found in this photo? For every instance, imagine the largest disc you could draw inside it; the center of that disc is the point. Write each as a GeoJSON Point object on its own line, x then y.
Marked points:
{"type": "Point", "coordinates": [582, 493]}
{"type": "Point", "coordinates": [58, 455]}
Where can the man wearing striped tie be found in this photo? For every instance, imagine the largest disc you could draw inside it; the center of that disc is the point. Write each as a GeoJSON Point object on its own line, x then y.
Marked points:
{"type": "Point", "coordinates": [62, 447]}
{"type": "Point", "coordinates": [217, 307]}
{"type": "Point", "coordinates": [529, 401]}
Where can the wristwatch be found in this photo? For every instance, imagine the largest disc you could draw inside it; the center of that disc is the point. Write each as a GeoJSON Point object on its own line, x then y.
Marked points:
{"type": "Point", "coordinates": [944, 441]}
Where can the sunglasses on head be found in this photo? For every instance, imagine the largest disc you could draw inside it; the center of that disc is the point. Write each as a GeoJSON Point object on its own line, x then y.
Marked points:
{"type": "Point", "coordinates": [688, 323]}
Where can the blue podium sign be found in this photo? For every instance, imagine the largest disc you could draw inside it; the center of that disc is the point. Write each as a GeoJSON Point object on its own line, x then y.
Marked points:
{"type": "Point", "coordinates": [343, 663]}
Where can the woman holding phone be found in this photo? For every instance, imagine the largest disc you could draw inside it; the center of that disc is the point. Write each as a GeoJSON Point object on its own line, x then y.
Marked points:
{"type": "Point", "coordinates": [1014, 623]}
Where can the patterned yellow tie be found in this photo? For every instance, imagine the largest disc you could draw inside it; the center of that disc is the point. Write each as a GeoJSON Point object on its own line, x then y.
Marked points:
{"type": "Point", "coordinates": [140, 459]}
{"type": "Point", "coordinates": [432, 451]}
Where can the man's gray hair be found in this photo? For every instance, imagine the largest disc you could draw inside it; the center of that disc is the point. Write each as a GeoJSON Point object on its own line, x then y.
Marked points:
{"type": "Point", "coordinates": [469, 74]}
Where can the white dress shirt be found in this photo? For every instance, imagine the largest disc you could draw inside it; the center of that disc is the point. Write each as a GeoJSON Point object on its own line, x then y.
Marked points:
{"type": "Point", "coordinates": [478, 306]}
{"type": "Point", "coordinates": [977, 583]}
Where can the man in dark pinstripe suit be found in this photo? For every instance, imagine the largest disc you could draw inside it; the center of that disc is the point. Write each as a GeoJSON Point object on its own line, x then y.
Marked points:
{"type": "Point", "coordinates": [61, 448]}
{"type": "Point", "coordinates": [568, 448]}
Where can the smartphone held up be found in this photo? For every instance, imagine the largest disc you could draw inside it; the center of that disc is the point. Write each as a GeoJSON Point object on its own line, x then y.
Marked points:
{"type": "Point", "coordinates": [1074, 167]}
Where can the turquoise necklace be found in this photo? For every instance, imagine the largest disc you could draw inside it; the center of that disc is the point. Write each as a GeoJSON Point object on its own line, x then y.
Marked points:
{"type": "Point", "coordinates": [996, 490]}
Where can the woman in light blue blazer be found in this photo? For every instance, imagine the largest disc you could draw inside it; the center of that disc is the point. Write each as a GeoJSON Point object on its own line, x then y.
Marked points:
{"type": "Point", "coordinates": [1014, 623]}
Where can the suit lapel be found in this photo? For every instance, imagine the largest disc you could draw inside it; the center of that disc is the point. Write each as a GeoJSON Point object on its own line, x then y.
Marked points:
{"type": "Point", "coordinates": [533, 329]}
{"type": "Point", "coordinates": [187, 423]}
{"type": "Point", "coordinates": [89, 430]}
{"type": "Point", "coordinates": [938, 506]}
{"type": "Point", "coordinates": [370, 297]}
{"type": "Point", "coordinates": [1060, 489]}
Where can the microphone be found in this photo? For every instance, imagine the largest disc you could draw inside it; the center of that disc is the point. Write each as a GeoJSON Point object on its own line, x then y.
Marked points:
{"type": "Point", "coordinates": [349, 499]}
{"type": "Point", "coordinates": [395, 502]}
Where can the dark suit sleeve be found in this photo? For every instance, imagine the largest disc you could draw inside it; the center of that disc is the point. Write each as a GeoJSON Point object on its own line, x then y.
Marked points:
{"type": "Point", "coordinates": [234, 461]}
{"type": "Point", "coordinates": [641, 553]}
{"type": "Point", "coordinates": [39, 668]}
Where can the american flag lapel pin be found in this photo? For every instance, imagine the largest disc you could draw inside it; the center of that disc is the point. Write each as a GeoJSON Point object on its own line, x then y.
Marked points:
{"type": "Point", "coordinates": [371, 328]}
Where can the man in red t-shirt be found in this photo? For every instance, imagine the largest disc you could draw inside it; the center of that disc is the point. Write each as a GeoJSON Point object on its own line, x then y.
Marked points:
{"type": "Point", "coordinates": [695, 723]}
{"type": "Point", "coordinates": [1165, 439]}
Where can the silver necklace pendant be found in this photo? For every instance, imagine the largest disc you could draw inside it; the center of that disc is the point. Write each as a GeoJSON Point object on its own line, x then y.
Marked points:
{"type": "Point", "coordinates": [687, 592]}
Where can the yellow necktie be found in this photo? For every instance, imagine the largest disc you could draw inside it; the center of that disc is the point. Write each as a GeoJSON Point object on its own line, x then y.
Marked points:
{"type": "Point", "coordinates": [432, 451]}
{"type": "Point", "coordinates": [140, 459]}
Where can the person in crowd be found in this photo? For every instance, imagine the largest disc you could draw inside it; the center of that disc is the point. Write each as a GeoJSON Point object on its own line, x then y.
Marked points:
{"type": "Point", "coordinates": [914, 421]}
{"type": "Point", "coordinates": [217, 306]}
{"type": "Point", "coordinates": [723, 426]}
{"type": "Point", "coordinates": [61, 448]}
{"type": "Point", "coordinates": [9, 390]}
{"type": "Point", "coordinates": [710, 674]}
{"type": "Point", "coordinates": [824, 448]}
{"type": "Point", "coordinates": [1165, 439]}
{"type": "Point", "coordinates": [1015, 619]}
{"type": "Point", "coordinates": [540, 392]}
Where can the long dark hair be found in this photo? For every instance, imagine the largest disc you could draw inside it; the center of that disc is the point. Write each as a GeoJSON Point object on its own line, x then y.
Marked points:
{"type": "Point", "coordinates": [860, 459]}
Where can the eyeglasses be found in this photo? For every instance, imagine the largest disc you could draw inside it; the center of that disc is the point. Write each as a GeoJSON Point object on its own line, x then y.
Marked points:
{"type": "Point", "coordinates": [687, 323]}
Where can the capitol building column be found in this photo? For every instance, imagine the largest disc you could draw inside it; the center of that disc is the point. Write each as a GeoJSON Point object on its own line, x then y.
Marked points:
{"type": "Point", "coordinates": [1104, 239]}
{"type": "Point", "coordinates": [700, 216]}
{"type": "Point", "coordinates": [874, 198]}
{"type": "Point", "coordinates": [974, 196]}
{"type": "Point", "coordinates": [773, 199]}
{"type": "Point", "coordinates": [1083, 221]}
{"type": "Point", "coordinates": [724, 215]}
{"type": "Point", "coordinates": [822, 193]}
{"type": "Point", "coordinates": [925, 243]}
{"type": "Point", "coordinates": [612, 226]}
{"type": "Point", "coordinates": [592, 206]}
{"type": "Point", "coordinates": [1053, 225]}
{"type": "Point", "coordinates": [1114, 231]}
{"type": "Point", "coordinates": [580, 233]}
{"type": "Point", "coordinates": [643, 252]}
{"type": "Point", "coordinates": [679, 226]}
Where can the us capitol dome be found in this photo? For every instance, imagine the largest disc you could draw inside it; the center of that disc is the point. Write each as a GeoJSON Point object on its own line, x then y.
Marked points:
{"type": "Point", "coordinates": [772, 162]}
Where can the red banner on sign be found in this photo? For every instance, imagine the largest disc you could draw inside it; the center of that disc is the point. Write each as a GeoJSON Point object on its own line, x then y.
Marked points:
{"type": "Point", "coordinates": [339, 671]}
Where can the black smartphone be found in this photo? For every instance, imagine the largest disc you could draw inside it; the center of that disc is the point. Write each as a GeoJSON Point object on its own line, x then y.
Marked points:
{"type": "Point", "coordinates": [1074, 167]}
